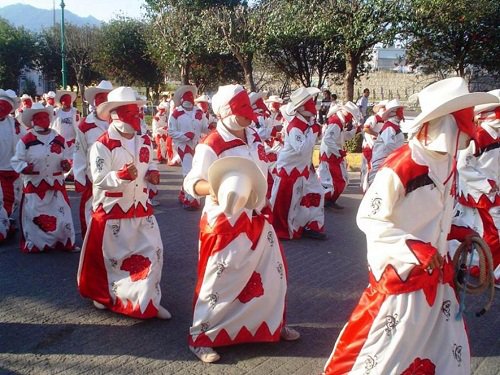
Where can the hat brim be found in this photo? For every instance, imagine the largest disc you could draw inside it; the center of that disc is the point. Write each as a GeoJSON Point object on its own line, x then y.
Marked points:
{"type": "Point", "coordinates": [60, 94]}
{"type": "Point", "coordinates": [181, 91]}
{"type": "Point", "coordinates": [486, 107]}
{"type": "Point", "coordinates": [91, 92]}
{"type": "Point", "coordinates": [254, 98]}
{"type": "Point", "coordinates": [13, 102]}
{"type": "Point", "coordinates": [390, 111]}
{"type": "Point", "coordinates": [28, 114]}
{"type": "Point", "coordinates": [104, 109]}
{"type": "Point", "coordinates": [312, 92]}
{"type": "Point", "coordinates": [237, 164]}
{"type": "Point", "coordinates": [456, 104]}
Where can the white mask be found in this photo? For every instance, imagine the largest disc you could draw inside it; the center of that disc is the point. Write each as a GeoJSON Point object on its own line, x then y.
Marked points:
{"type": "Point", "coordinates": [188, 106]}
{"type": "Point", "coordinates": [120, 125]}
{"type": "Point", "coordinates": [231, 123]}
{"type": "Point", "coordinates": [442, 136]}
{"type": "Point", "coordinates": [39, 129]}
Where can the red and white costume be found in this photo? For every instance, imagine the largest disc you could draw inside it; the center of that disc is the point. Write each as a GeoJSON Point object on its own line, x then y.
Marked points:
{"type": "Point", "coordinates": [65, 123]}
{"type": "Point", "coordinates": [297, 196]}
{"type": "Point", "coordinates": [373, 123]}
{"type": "Point", "coordinates": [478, 204]}
{"type": "Point", "coordinates": [408, 319]}
{"type": "Point", "coordinates": [242, 280]}
{"type": "Point", "coordinates": [332, 170]}
{"type": "Point", "coordinates": [122, 255]}
{"type": "Point", "coordinates": [185, 127]}
{"type": "Point", "coordinates": [45, 212]}
{"type": "Point", "coordinates": [160, 134]}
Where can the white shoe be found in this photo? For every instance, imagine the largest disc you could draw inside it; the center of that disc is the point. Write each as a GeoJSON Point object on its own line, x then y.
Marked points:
{"type": "Point", "coordinates": [99, 306]}
{"type": "Point", "coordinates": [289, 334]}
{"type": "Point", "coordinates": [76, 249]}
{"type": "Point", "coordinates": [163, 313]}
{"type": "Point", "coordinates": [154, 202]}
{"type": "Point", "coordinates": [205, 353]}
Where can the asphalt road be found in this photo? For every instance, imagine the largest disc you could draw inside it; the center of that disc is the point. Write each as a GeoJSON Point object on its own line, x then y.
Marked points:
{"type": "Point", "coordinates": [47, 328]}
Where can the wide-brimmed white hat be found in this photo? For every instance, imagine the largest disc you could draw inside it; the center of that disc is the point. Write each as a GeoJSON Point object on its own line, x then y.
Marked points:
{"type": "Point", "coordinates": [299, 97]}
{"type": "Point", "coordinates": [444, 97]}
{"type": "Point", "coordinates": [380, 104]}
{"type": "Point", "coordinates": [11, 97]}
{"type": "Point", "coordinates": [60, 93]}
{"type": "Point", "coordinates": [390, 108]}
{"type": "Point", "coordinates": [238, 183]}
{"type": "Point", "coordinates": [116, 98]}
{"type": "Point", "coordinates": [50, 94]}
{"type": "Point", "coordinates": [254, 96]}
{"type": "Point", "coordinates": [274, 99]}
{"type": "Point", "coordinates": [91, 92]}
{"type": "Point", "coordinates": [28, 113]}
{"type": "Point", "coordinates": [353, 109]}
{"type": "Point", "coordinates": [232, 100]}
{"type": "Point", "coordinates": [181, 91]}
{"type": "Point", "coordinates": [333, 109]}
{"type": "Point", "coordinates": [26, 96]}
{"type": "Point", "coordinates": [202, 99]}
{"type": "Point", "coordinates": [489, 106]}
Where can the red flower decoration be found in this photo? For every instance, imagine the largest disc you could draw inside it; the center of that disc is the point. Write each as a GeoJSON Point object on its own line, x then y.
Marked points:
{"type": "Point", "coordinates": [253, 289]}
{"type": "Point", "coordinates": [144, 155]}
{"type": "Point", "coordinates": [55, 148]}
{"type": "Point", "coordinates": [420, 367]}
{"type": "Point", "coordinates": [262, 153]}
{"type": "Point", "coordinates": [138, 267]}
{"type": "Point", "coordinates": [46, 223]}
{"type": "Point", "coordinates": [311, 200]}
{"type": "Point", "coordinates": [198, 115]}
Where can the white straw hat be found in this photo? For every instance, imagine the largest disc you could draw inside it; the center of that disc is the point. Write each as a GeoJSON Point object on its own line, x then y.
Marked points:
{"type": "Point", "coordinates": [254, 96]}
{"type": "Point", "coordinates": [28, 113]}
{"type": "Point", "coordinates": [299, 97]}
{"type": "Point", "coordinates": [274, 99]}
{"type": "Point", "coordinates": [116, 98]}
{"type": "Point", "coordinates": [11, 97]}
{"type": "Point", "coordinates": [60, 93]}
{"type": "Point", "coordinates": [181, 91]}
{"type": "Point", "coordinates": [238, 183]}
{"type": "Point", "coordinates": [444, 97]}
{"type": "Point", "coordinates": [202, 99]}
{"type": "Point", "coordinates": [390, 108]}
{"type": "Point", "coordinates": [489, 106]}
{"type": "Point", "coordinates": [353, 110]}
{"type": "Point", "coordinates": [91, 92]}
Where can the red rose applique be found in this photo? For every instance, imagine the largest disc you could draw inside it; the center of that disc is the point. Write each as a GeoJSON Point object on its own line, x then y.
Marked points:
{"type": "Point", "coordinates": [46, 223]}
{"type": "Point", "coordinates": [138, 267]}
{"type": "Point", "coordinates": [420, 367]}
{"type": "Point", "coordinates": [144, 155]}
{"type": "Point", "coordinates": [311, 200]}
{"type": "Point", "coordinates": [55, 148]}
{"type": "Point", "coordinates": [198, 115]}
{"type": "Point", "coordinates": [262, 152]}
{"type": "Point", "coordinates": [253, 289]}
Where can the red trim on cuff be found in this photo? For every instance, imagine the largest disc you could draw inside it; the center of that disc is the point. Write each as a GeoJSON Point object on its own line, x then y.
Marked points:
{"type": "Point", "coordinates": [124, 174]}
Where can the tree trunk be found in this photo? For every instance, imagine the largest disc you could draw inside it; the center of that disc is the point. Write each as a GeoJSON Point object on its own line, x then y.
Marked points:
{"type": "Point", "coordinates": [351, 68]}
{"type": "Point", "coordinates": [81, 94]}
{"type": "Point", "coordinates": [246, 64]}
{"type": "Point", "coordinates": [185, 71]}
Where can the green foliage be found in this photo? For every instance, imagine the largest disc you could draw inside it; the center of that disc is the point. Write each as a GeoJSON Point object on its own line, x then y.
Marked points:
{"type": "Point", "coordinates": [17, 50]}
{"type": "Point", "coordinates": [354, 145]}
{"type": "Point", "coordinates": [444, 38]}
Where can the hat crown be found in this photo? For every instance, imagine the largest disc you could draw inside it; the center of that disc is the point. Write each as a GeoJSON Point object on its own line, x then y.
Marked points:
{"type": "Point", "coordinates": [105, 85]}
{"type": "Point", "coordinates": [441, 92]}
{"type": "Point", "coordinates": [223, 96]}
{"type": "Point", "coordinates": [122, 94]}
{"type": "Point", "coordinates": [51, 94]}
{"type": "Point", "coordinates": [37, 106]}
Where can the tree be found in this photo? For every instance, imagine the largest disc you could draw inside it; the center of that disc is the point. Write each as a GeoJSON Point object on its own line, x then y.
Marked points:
{"type": "Point", "coordinates": [123, 54]}
{"type": "Point", "coordinates": [211, 70]}
{"type": "Point", "coordinates": [17, 51]}
{"type": "Point", "coordinates": [443, 38]}
{"type": "Point", "coordinates": [292, 46]}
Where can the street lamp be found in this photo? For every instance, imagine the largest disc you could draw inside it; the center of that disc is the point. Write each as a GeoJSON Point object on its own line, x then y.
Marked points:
{"type": "Point", "coordinates": [63, 51]}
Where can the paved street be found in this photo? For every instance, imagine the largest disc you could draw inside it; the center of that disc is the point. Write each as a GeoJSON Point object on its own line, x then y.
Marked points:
{"type": "Point", "coordinates": [47, 328]}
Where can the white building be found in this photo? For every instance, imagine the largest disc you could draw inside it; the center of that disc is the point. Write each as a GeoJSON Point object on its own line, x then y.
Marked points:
{"type": "Point", "coordinates": [389, 58]}
{"type": "Point", "coordinates": [34, 76]}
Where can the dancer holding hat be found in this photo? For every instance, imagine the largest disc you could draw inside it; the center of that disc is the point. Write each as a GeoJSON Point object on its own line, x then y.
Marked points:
{"type": "Point", "coordinates": [241, 287]}
{"type": "Point", "coordinates": [42, 157]}
{"type": "Point", "coordinates": [408, 318]}
{"type": "Point", "coordinates": [122, 255]}
{"type": "Point", "coordinates": [87, 132]}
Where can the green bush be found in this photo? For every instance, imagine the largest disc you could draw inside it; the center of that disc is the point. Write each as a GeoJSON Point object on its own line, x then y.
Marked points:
{"type": "Point", "coordinates": [354, 145]}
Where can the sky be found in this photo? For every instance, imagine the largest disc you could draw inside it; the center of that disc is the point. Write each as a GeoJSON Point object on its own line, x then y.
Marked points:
{"type": "Point", "coordinates": [103, 10]}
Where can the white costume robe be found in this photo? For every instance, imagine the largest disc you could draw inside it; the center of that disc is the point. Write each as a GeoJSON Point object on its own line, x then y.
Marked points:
{"type": "Point", "coordinates": [122, 255]}
{"type": "Point", "coordinates": [11, 184]}
{"type": "Point", "coordinates": [390, 139]}
{"type": "Point", "coordinates": [65, 123]}
{"type": "Point", "coordinates": [45, 212]}
{"type": "Point", "coordinates": [374, 123]}
{"type": "Point", "coordinates": [297, 196]}
{"type": "Point", "coordinates": [89, 130]}
{"type": "Point", "coordinates": [160, 135]}
{"type": "Point", "coordinates": [406, 317]}
{"type": "Point", "coordinates": [241, 287]}
{"type": "Point", "coordinates": [332, 170]}
{"type": "Point", "coordinates": [180, 123]}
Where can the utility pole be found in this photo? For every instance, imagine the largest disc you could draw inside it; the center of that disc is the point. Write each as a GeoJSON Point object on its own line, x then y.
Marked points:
{"type": "Point", "coordinates": [63, 49]}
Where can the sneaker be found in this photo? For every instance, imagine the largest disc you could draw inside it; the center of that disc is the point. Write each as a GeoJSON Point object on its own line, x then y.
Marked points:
{"type": "Point", "coordinates": [76, 249]}
{"type": "Point", "coordinates": [154, 202]}
{"type": "Point", "coordinates": [205, 353]}
{"type": "Point", "coordinates": [99, 306]}
{"type": "Point", "coordinates": [309, 233]}
{"type": "Point", "coordinates": [289, 334]}
{"type": "Point", "coordinates": [163, 313]}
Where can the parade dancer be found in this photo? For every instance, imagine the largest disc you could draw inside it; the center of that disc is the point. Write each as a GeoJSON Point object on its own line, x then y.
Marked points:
{"type": "Point", "coordinates": [122, 256]}
{"type": "Point", "coordinates": [390, 137]}
{"type": "Point", "coordinates": [203, 103]}
{"type": "Point", "coordinates": [185, 126]}
{"type": "Point", "coordinates": [88, 131]}
{"type": "Point", "coordinates": [274, 144]}
{"type": "Point", "coordinates": [26, 102]}
{"type": "Point", "coordinates": [297, 196]}
{"type": "Point", "coordinates": [478, 198]}
{"type": "Point", "coordinates": [10, 183]}
{"type": "Point", "coordinates": [50, 99]}
{"type": "Point", "coordinates": [332, 170]}
{"type": "Point", "coordinates": [66, 117]}
{"type": "Point", "coordinates": [406, 321]}
{"type": "Point", "coordinates": [41, 157]}
{"type": "Point", "coordinates": [160, 134]}
{"type": "Point", "coordinates": [242, 274]}
{"type": "Point", "coordinates": [371, 130]}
